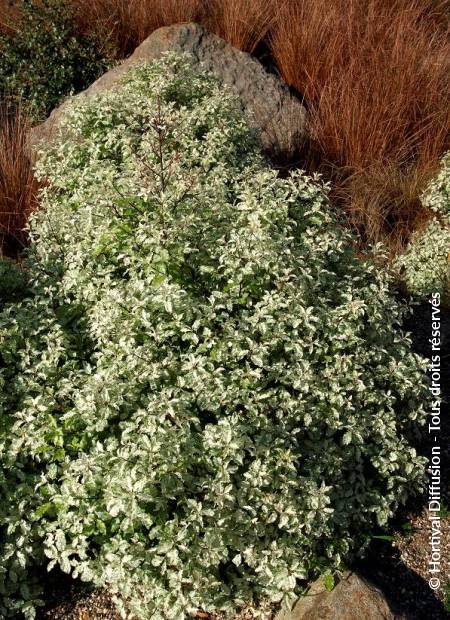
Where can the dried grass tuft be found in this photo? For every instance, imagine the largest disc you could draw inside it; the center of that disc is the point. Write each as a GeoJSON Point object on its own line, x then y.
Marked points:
{"type": "Point", "coordinates": [377, 77]}
{"type": "Point", "coordinates": [243, 23]}
{"type": "Point", "coordinates": [18, 186]}
{"type": "Point", "coordinates": [124, 24]}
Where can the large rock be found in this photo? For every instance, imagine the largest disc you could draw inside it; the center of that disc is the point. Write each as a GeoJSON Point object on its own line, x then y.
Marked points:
{"type": "Point", "coordinates": [272, 109]}
{"type": "Point", "coordinates": [352, 599]}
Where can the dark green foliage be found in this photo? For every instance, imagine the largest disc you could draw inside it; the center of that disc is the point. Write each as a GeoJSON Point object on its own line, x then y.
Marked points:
{"type": "Point", "coordinates": [12, 281]}
{"type": "Point", "coordinates": [46, 58]}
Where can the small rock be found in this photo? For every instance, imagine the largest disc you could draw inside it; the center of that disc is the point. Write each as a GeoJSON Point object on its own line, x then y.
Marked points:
{"type": "Point", "coordinates": [352, 599]}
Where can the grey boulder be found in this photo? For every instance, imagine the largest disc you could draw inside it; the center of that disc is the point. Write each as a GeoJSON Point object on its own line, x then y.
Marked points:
{"type": "Point", "coordinates": [271, 108]}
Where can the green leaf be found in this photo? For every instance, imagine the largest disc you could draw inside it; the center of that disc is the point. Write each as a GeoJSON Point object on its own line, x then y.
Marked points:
{"type": "Point", "coordinates": [328, 582]}
{"type": "Point", "coordinates": [42, 510]}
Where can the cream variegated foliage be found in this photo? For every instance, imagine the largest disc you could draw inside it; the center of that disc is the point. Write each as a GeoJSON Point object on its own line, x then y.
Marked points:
{"type": "Point", "coordinates": [425, 265]}
{"type": "Point", "coordinates": [437, 196]}
{"type": "Point", "coordinates": [205, 397]}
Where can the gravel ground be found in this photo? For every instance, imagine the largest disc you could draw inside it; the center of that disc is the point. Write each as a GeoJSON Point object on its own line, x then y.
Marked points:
{"type": "Point", "coordinates": [98, 605]}
{"type": "Point", "coordinates": [414, 549]}
{"type": "Point", "coordinates": [82, 606]}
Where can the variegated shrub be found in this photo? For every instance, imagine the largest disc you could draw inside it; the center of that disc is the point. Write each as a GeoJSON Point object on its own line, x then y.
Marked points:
{"type": "Point", "coordinates": [206, 398]}
{"type": "Point", "coordinates": [425, 264]}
